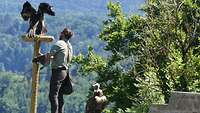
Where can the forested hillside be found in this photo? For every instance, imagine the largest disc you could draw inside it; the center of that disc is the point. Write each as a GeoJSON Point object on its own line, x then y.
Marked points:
{"type": "Point", "coordinates": [82, 16]}
{"type": "Point", "coordinates": [138, 59]}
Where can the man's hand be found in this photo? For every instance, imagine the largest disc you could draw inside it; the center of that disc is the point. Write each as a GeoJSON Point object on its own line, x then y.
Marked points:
{"type": "Point", "coordinates": [38, 59]}
{"type": "Point", "coordinates": [49, 56]}
{"type": "Point", "coordinates": [42, 59]}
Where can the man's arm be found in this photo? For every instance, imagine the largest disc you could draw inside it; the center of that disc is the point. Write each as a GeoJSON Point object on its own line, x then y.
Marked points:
{"type": "Point", "coordinates": [44, 59]}
{"type": "Point", "coordinates": [54, 49]}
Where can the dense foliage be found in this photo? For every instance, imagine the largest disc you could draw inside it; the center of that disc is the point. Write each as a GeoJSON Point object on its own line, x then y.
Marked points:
{"type": "Point", "coordinates": [147, 56]}
{"type": "Point", "coordinates": [85, 19]}
{"type": "Point", "coordinates": [151, 55]}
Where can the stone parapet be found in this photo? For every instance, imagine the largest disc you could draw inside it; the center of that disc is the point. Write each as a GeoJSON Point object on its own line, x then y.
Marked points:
{"type": "Point", "coordinates": [179, 102]}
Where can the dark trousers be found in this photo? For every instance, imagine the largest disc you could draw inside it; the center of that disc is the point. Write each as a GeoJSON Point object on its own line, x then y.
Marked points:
{"type": "Point", "coordinates": [55, 95]}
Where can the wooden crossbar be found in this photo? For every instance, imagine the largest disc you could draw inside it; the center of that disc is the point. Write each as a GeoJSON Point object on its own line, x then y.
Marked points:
{"type": "Point", "coordinates": [37, 38]}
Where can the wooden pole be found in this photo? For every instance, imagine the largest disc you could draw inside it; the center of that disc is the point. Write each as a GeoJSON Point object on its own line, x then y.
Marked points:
{"type": "Point", "coordinates": [35, 79]}
{"type": "Point", "coordinates": [35, 71]}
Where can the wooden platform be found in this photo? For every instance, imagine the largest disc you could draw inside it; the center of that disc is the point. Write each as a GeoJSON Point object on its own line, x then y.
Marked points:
{"type": "Point", "coordinates": [37, 38]}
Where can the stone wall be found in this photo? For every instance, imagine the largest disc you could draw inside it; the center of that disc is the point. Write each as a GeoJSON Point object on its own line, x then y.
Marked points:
{"type": "Point", "coordinates": [179, 102]}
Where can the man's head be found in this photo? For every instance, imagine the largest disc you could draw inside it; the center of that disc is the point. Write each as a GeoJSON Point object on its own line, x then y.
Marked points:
{"type": "Point", "coordinates": [27, 11]}
{"type": "Point", "coordinates": [66, 34]}
{"type": "Point", "coordinates": [46, 8]}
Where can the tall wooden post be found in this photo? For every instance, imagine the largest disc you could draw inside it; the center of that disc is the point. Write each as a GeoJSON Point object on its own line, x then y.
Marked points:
{"type": "Point", "coordinates": [35, 71]}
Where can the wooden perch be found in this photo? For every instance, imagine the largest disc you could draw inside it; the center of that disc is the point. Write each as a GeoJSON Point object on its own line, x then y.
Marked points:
{"type": "Point", "coordinates": [41, 38]}
{"type": "Point", "coordinates": [37, 39]}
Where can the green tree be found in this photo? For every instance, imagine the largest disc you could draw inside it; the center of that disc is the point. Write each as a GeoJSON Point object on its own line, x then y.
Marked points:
{"type": "Point", "coordinates": [171, 38]}
{"type": "Point", "coordinates": [151, 55]}
{"type": "Point", "coordinates": [120, 85]}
